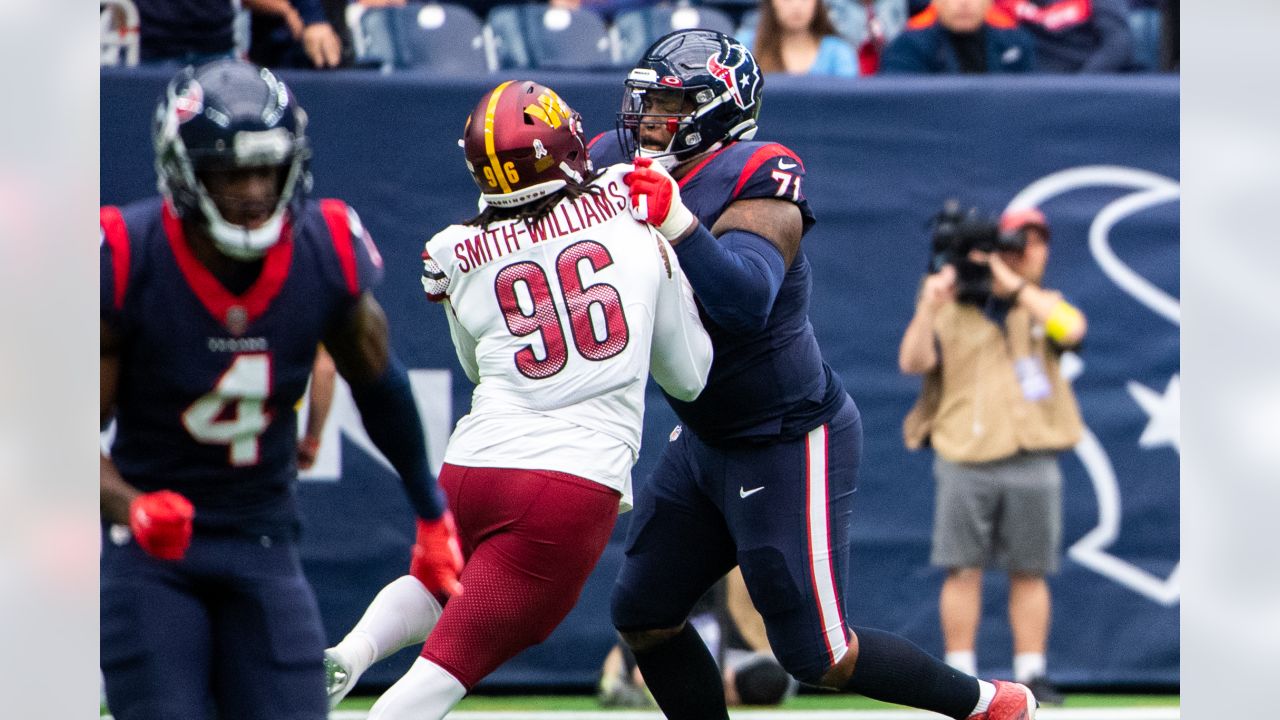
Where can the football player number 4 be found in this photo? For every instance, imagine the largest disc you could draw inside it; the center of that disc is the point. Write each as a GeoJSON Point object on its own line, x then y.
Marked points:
{"type": "Point", "coordinates": [234, 413]}
{"type": "Point", "coordinates": [595, 320]}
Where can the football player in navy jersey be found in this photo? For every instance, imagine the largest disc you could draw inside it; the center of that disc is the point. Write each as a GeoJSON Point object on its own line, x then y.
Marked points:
{"type": "Point", "coordinates": [214, 298]}
{"type": "Point", "coordinates": [762, 470]}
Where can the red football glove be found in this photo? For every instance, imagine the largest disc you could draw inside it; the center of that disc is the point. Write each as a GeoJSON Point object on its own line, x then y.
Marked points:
{"type": "Point", "coordinates": [437, 556]}
{"type": "Point", "coordinates": [161, 523]}
{"type": "Point", "coordinates": [655, 199]}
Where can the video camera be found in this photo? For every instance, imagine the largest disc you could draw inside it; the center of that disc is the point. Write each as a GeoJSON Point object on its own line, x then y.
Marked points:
{"type": "Point", "coordinates": [956, 233]}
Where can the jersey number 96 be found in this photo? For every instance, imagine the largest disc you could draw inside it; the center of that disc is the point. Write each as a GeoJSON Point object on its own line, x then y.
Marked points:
{"type": "Point", "coordinates": [596, 321]}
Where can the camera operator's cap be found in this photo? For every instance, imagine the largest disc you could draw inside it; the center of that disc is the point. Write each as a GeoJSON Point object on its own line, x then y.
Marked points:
{"type": "Point", "coordinates": [1015, 220]}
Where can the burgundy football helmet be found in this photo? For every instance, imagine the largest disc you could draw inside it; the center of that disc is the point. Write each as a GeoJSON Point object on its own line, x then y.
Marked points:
{"type": "Point", "coordinates": [522, 143]}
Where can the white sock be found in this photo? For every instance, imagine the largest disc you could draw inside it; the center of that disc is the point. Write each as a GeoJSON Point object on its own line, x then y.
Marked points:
{"type": "Point", "coordinates": [402, 614]}
{"type": "Point", "coordinates": [963, 660]}
{"type": "Point", "coordinates": [1027, 666]}
{"type": "Point", "coordinates": [426, 692]}
{"type": "Point", "coordinates": [986, 691]}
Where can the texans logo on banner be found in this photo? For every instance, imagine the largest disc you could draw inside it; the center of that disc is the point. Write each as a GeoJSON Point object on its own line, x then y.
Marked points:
{"type": "Point", "coordinates": [432, 393]}
{"type": "Point", "coordinates": [1135, 389]}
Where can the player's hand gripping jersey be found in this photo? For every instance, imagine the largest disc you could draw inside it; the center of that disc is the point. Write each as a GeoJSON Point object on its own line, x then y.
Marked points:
{"type": "Point", "coordinates": [554, 321]}
{"type": "Point", "coordinates": [768, 382]}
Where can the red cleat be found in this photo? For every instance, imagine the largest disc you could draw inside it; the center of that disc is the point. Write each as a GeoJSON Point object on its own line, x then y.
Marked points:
{"type": "Point", "coordinates": [1012, 702]}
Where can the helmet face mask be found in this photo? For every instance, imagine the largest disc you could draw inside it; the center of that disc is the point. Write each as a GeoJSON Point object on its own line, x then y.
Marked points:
{"type": "Point", "coordinates": [720, 86]}
{"type": "Point", "coordinates": [522, 143]}
{"type": "Point", "coordinates": [221, 121]}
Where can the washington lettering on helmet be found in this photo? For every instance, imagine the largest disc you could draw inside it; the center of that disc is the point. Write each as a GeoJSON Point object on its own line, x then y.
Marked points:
{"type": "Point", "coordinates": [703, 85]}
{"type": "Point", "coordinates": [225, 117]}
{"type": "Point", "coordinates": [525, 148]}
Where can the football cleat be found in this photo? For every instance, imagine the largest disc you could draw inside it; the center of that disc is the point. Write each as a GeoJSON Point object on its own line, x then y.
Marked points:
{"type": "Point", "coordinates": [338, 678]}
{"type": "Point", "coordinates": [1013, 701]}
{"type": "Point", "coordinates": [1046, 694]}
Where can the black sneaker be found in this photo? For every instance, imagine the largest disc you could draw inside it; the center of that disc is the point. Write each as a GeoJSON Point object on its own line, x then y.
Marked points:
{"type": "Point", "coordinates": [1044, 691]}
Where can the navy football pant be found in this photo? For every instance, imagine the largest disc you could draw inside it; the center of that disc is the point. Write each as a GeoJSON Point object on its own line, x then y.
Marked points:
{"type": "Point", "coordinates": [231, 631]}
{"type": "Point", "coordinates": [781, 511]}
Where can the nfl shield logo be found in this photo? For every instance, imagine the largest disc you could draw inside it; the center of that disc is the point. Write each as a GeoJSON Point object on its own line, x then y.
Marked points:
{"type": "Point", "coordinates": [237, 320]}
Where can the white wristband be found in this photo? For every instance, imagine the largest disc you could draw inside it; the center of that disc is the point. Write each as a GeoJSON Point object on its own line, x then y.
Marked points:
{"type": "Point", "coordinates": [679, 218]}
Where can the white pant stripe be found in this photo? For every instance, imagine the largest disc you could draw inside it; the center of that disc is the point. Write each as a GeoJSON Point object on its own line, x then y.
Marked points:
{"type": "Point", "coordinates": [821, 570]}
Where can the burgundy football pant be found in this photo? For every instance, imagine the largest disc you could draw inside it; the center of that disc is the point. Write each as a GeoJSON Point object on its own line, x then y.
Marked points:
{"type": "Point", "coordinates": [531, 538]}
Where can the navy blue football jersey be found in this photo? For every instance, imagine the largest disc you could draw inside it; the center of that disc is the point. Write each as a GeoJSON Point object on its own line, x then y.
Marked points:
{"type": "Point", "coordinates": [771, 384]}
{"type": "Point", "coordinates": [209, 379]}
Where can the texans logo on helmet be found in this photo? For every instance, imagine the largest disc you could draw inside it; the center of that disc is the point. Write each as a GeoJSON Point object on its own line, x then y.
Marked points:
{"type": "Point", "coordinates": [735, 72]}
{"type": "Point", "coordinates": [189, 103]}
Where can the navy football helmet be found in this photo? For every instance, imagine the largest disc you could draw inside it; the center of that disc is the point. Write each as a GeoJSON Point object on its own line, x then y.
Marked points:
{"type": "Point", "coordinates": [718, 81]}
{"type": "Point", "coordinates": [224, 115]}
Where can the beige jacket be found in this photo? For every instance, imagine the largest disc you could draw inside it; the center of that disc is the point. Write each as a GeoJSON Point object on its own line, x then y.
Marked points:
{"type": "Point", "coordinates": [972, 407]}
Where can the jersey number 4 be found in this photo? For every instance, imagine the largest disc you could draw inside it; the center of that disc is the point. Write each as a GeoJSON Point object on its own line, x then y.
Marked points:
{"type": "Point", "coordinates": [596, 322]}
{"type": "Point", "coordinates": [234, 413]}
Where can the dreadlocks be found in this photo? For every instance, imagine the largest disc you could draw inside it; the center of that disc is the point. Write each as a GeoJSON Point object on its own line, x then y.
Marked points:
{"type": "Point", "coordinates": [532, 212]}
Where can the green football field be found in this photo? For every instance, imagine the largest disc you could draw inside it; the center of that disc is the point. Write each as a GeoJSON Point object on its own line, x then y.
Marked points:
{"type": "Point", "coordinates": [802, 707]}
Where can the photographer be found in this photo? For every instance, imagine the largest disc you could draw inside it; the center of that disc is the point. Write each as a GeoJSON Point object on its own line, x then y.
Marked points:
{"type": "Point", "coordinates": [996, 410]}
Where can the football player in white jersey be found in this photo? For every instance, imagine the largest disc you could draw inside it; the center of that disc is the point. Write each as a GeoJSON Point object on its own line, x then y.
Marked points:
{"type": "Point", "coordinates": [559, 304]}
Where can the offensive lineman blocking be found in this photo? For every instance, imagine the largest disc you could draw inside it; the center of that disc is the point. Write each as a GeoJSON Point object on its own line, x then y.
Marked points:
{"type": "Point", "coordinates": [559, 304]}
{"type": "Point", "coordinates": [763, 472]}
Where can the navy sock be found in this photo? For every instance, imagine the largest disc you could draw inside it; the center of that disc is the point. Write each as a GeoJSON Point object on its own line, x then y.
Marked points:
{"type": "Point", "coordinates": [683, 678]}
{"type": "Point", "coordinates": [893, 669]}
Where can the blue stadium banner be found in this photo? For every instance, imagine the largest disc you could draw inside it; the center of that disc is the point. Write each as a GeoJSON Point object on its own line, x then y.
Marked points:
{"type": "Point", "coordinates": [1098, 155]}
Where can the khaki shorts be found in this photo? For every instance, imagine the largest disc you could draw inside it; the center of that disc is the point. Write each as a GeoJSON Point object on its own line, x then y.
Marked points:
{"type": "Point", "coordinates": [1004, 514]}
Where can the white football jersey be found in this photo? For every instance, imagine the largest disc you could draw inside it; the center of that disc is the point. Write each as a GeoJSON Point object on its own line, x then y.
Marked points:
{"type": "Point", "coordinates": [558, 323]}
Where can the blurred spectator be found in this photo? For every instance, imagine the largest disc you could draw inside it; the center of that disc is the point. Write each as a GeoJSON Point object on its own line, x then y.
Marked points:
{"type": "Point", "coordinates": [734, 633]}
{"type": "Point", "coordinates": [1169, 59]}
{"type": "Point", "coordinates": [604, 8]}
{"type": "Point", "coordinates": [872, 25]}
{"type": "Point", "coordinates": [1076, 36]}
{"type": "Point", "coordinates": [960, 36]}
{"type": "Point", "coordinates": [797, 37]}
{"type": "Point", "coordinates": [298, 33]}
{"type": "Point", "coordinates": [185, 32]}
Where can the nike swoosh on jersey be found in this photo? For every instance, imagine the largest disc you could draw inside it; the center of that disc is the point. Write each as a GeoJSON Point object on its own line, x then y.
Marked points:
{"type": "Point", "coordinates": [784, 165]}
{"type": "Point", "coordinates": [743, 492]}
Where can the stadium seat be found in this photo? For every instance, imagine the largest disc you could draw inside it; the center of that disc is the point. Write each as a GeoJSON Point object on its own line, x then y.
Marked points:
{"type": "Point", "coordinates": [506, 37]}
{"type": "Point", "coordinates": [635, 30]}
{"type": "Point", "coordinates": [846, 21]}
{"type": "Point", "coordinates": [1145, 24]}
{"type": "Point", "coordinates": [441, 36]}
{"type": "Point", "coordinates": [550, 38]}
{"type": "Point", "coordinates": [118, 32]}
{"type": "Point", "coordinates": [373, 35]}
{"type": "Point", "coordinates": [747, 26]}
